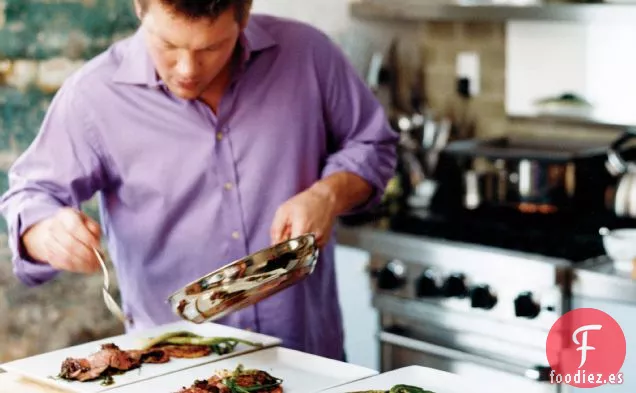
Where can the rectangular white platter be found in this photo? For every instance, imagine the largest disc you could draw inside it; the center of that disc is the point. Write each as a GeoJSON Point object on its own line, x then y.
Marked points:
{"type": "Point", "coordinates": [425, 378]}
{"type": "Point", "coordinates": [300, 372]}
{"type": "Point", "coordinates": [47, 365]}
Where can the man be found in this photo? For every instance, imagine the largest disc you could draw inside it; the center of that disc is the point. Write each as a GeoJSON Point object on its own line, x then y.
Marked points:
{"type": "Point", "coordinates": [208, 135]}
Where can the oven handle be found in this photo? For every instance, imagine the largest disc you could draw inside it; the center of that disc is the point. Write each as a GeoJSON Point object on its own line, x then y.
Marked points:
{"type": "Point", "coordinates": [538, 373]}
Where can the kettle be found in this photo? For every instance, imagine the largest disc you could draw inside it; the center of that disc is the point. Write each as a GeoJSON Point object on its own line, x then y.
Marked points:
{"type": "Point", "coordinates": [625, 171]}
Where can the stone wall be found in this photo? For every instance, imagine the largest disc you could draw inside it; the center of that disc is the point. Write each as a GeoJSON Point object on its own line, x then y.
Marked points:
{"type": "Point", "coordinates": [41, 43]}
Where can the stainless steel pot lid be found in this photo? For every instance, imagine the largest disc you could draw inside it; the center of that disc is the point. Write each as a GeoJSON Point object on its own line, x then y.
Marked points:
{"type": "Point", "coordinates": [246, 281]}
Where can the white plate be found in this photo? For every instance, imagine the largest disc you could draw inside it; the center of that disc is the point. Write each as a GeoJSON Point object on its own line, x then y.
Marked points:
{"type": "Point", "coordinates": [300, 372]}
{"type": "Point", "coordinates": [425, 378]}
{"type": "Point", "coordinates": [43, 367]}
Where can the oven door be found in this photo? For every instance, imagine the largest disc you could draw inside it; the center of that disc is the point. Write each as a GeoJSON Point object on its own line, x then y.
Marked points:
{"type": "Point", "coordinates": [399, 350]}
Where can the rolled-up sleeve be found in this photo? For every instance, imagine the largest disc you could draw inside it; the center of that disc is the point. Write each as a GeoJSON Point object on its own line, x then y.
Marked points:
{"type": "Point", "coordinates": [362, 141]}
{"type": "Point", "coordinates": [60, 168]}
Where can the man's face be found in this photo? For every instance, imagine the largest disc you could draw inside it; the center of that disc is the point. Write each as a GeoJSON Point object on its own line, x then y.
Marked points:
{"type": "Point", "coordinates": [189, 54]}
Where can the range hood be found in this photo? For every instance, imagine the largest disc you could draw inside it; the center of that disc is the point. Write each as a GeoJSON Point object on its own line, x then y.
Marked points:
{"type": "Point", "coordinates": [620, 11]}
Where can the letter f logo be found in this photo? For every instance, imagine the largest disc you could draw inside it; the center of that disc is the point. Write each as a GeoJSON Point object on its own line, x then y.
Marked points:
{"type": "Point", "coordinates": [584, 347]}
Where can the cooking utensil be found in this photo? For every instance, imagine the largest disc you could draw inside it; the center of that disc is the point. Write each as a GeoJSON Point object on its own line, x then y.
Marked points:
{"type": "Point", "coordinates": [441, 140]}
{"type": "Point", "coordinates": [246, 281]}
{"type": "Point", "coordinates": [111, 304]}
{"type": "Point", "coordinates": [395, 81]}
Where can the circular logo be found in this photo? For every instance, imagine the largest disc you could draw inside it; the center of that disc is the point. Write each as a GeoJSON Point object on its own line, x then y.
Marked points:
{"type": "Point", "coordinates": [585, 349]}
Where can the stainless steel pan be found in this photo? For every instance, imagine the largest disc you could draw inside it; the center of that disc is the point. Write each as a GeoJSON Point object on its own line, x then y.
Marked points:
{"type": "Point", "coordinates": [246, 281]}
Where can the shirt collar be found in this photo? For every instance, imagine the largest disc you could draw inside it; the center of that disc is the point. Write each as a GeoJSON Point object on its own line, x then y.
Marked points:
{"type": "Point", "coordinates": [137, 68]}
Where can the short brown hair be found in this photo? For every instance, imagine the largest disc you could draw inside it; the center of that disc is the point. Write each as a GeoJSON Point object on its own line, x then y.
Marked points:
{"type": "Point", "coordinates": [197, 9]}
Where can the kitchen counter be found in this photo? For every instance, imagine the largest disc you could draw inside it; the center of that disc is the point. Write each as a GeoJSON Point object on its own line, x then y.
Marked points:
{"type": "Point", "coordinates": [599, 279]}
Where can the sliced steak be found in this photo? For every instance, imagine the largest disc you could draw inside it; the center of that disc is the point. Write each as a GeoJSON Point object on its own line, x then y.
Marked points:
{"type": "Point", "coordinates": [81, 369]}
{"type": "Point", "coordinates": [248, 380]}
{"type": "Point", "coordinates": [186, 351]}
{"type": "Point", "coordinates": [109, 358]}
{"type": "Point", "coordinates": [152, 355]}
{"type": "Point", "coordinates": [254, 378]}
{"type": "Point", "coordinates": [118, 359]}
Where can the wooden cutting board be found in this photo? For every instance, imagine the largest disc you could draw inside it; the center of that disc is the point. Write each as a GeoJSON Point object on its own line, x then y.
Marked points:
{"type": "Point", "coordinates": [12, 383]}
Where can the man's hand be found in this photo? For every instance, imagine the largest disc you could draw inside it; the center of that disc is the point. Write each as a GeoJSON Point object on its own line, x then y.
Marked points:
{"type": "Point", "coordinates": [311, 211]}
{"type": "Point", "coordinates": [65, 241]}
{"type": "Point", "coordinates": [315, 210]}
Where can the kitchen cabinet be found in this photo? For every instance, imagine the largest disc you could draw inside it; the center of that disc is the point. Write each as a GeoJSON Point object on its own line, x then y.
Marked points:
{"type": "Point", "coordinates": [359, 317]}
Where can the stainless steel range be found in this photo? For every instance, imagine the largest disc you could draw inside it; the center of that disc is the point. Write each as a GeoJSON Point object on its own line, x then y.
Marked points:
{"type": "Point", "coordinates": [467, 297]}
{"type": "Point", "coordinates": [465, 309]}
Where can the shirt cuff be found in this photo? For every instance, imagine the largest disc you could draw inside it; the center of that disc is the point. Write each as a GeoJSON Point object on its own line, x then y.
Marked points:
{"type": "Point", "coordinates": [345, 164]}
{"type": "Point", "coordinates": [30, 272]}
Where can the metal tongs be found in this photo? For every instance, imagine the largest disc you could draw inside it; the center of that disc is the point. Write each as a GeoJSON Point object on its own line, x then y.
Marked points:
{"type": "Point", "coordinates": [111, 304]}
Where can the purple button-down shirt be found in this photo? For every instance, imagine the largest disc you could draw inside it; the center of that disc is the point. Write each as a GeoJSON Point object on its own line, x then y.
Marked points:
{"type": "Point", "coordinates": [183, 191]}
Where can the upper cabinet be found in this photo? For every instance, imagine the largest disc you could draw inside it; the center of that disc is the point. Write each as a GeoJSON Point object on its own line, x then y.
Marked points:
{"type": "Point", "coordinates": [574, 71]}
{"type": "Point", "coordinates": [495, 10]}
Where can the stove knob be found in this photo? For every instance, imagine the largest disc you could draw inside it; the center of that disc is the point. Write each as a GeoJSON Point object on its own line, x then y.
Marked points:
{"type": "Point", "coordinates": [482, 297]}
{"type": "Point", "coordinates": [426, 286]}
{"type": "Point", "coordinates": [392, 276]}
{"type": "Point", "coordinates": [526, 307]}
{"type": "Point", "coordinates": [455, 286]}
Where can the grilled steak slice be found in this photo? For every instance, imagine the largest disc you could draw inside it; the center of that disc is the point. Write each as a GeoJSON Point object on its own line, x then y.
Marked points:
{"type": "Point", "coordinates": [109, 359]}
{"type": "Point", "coordinates": [249, 380]}
{"type": "Point", "coordinates": [254, 378]}
{"type": "Point", "coordinates": [110, 356]}
{"type": "Point", "coordinates": [81, 369]}
{"type": "Point", "coordinates": [152, 355]}
{"type": "Point", "coordinates": [186, 351]}
{"type": "Point", "coordinates": [118, 359]}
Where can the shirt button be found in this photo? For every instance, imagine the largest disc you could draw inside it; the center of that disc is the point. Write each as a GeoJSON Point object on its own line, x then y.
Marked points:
{"type": "Point", "coordinates": [219, 136]}
{"type": "Point", "coordinates": [228, 186]}
{"type": "Point", "coordinates": [235, 235]}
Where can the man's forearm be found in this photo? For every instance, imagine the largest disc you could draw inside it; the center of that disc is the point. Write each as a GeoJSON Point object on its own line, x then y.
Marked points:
{"type": "Point", "coordinates": [345, 190]}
